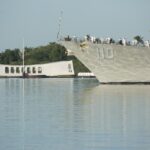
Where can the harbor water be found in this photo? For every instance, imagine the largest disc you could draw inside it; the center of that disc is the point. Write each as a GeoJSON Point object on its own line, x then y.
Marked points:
{"type": "Point", "coordinates": [73, 114]}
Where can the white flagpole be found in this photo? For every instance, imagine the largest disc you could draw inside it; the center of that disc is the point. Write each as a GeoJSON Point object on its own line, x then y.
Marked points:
{"type": "Point", "coordinates": [23, 102]}
{"type": "Point", "coordinates": [59, 24]}
{"type": "Point", "coordinates": [23, 70]}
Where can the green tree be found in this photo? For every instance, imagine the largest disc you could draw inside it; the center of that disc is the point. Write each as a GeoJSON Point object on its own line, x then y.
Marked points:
{"type": "Point", "coordinates": [139, 39]}
{"type": "Point", "coordinates": [78, 66]}
{"type": "Point", "coordinates": [44, 54]}
{"type": "Point", "coordinates": [10, 56]}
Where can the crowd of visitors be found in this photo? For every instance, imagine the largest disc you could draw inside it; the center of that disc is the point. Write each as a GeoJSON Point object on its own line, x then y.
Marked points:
{"type": "Point", "coordinates": [109, 40]}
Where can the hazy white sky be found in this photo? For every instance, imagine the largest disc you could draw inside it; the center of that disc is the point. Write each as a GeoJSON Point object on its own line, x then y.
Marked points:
{"type": "Point", "coordinates": [37, 20]}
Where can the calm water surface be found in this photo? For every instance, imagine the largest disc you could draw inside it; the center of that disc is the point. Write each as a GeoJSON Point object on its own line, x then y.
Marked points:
{"type": "Point", "coordinates": [73, 114]}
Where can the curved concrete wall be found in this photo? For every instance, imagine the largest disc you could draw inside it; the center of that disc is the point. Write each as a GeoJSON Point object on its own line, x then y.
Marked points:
{"type": "Point", "coordinates": [62, 68]}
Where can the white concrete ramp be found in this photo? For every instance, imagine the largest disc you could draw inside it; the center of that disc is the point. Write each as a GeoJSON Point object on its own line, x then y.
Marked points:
{"type": "Point", "coordinates": [113, 63]}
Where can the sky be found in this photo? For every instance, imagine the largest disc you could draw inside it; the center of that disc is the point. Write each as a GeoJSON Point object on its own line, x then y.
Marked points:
{"type": "Point", "coordinates": [37, 21]}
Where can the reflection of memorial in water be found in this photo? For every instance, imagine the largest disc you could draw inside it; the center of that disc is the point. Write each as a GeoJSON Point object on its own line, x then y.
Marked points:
{"type": "Point", "coordinates": [74, 114]}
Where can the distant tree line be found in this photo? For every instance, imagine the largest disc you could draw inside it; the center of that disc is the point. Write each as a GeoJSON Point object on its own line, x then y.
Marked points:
{"type": "Point", "coordinates": [10, 57]}
{"type": "Point", "coordinates": [43, 54]}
